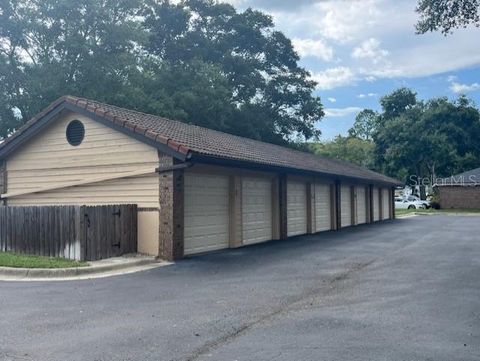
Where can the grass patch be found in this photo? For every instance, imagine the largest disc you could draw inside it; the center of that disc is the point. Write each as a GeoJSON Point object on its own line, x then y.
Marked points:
{"type": "Point", "coordinates": [8, 259]}
{"type": "Point", "coordinates": [405, 212]}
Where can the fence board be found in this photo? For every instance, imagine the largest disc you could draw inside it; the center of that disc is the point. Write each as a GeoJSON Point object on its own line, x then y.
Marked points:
{"type": "Point", "coordinates": [75, 232]}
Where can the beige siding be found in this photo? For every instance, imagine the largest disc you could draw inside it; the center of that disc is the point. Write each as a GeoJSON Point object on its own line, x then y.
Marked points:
{"type": "Point", "coordinates": [49, 160]}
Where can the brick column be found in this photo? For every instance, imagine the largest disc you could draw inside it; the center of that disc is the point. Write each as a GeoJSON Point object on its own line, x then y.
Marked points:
{"type": "Point", "coordinates": [235, 200]}
{"type": "Point", "coordinates": [380, 204]}
{"type": "Point", "coordinates": [338, 204]}
{"type": "Point", "coordinates": [353, 202]}
{"type": "Point", "coordinates": [392, 203]}
{"type": "Point", "coordinates": [282, 187]}
{"type": "Point", "coordinates": [171, 232]}
{"type": "Point", "coordinates": [310, 208]}
{"type": "Point", "coordinates": [3, 180]}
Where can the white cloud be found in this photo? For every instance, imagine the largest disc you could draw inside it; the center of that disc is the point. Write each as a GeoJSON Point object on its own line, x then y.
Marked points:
{"type": "Point", "coordinates": [374, 39]}
{"type": "Point", "coordinates": [464, 88]}
{"type": "Point", "coordinates": [332, 100]}
{"type": "Point", "coordinates": [311, 47]}
{"type": "Point", "coordinates": [341, 112]}
{"type": "Point", "coordinates": [370, 49]}
{"type": "Point", "coordinates": [334, 77]}
{"type": "Point", "coordinates": [343, 21]}
{"type": "Point", "coordinates": [369, 95]}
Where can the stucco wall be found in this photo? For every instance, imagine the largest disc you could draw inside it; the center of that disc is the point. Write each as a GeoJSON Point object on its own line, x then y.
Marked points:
{"type": "Point", "coordinates": [459, 197]}
{"type": "Point", "coordinates": [49, 160]}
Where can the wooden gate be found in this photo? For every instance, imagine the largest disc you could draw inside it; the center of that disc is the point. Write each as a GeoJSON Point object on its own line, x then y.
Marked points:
{"type": "Point", "coordinates": [75, 232]}
{"type": "Point", "coordinates": [110, 231]}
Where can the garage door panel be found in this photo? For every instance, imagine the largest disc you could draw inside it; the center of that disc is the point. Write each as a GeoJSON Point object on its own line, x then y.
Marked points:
{"type": "Point", "coordinates": [361, 205]}
{"type": "Point", "coordinates": [206, 213]}
{"type": "Point", "coordinates": [296, 208]}
{"type": "Point", "coordinates": [256, 210]}
{"type": "Point", "coordinates": [322, 208]}
{"type": "Point", "coordinates": [386, 203]}
{"type": "Point", "coordinates": [346, 206]}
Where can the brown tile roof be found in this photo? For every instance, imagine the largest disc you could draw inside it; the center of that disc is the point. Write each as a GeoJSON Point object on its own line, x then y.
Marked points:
{"type": "Point", "coordinates": [190, 139]}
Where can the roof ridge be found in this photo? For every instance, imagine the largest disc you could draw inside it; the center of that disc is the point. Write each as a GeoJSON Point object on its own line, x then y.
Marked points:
{"type": "Point", "coordinates": [184, 138]}
{"type": "Point", "coordinates": [339, 161]}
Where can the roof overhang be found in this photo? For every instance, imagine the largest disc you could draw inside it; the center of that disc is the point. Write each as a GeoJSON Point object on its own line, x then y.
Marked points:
{"type": "Point", "coordinates": [206, 159]}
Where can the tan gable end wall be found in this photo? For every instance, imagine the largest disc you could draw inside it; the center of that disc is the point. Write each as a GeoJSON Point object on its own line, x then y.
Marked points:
{"type": "Point", "coordinates": [49, 160]}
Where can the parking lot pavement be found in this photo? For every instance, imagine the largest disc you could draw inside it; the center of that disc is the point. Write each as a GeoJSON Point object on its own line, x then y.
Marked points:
{"type": "Point", "coordinates": [401, 290]}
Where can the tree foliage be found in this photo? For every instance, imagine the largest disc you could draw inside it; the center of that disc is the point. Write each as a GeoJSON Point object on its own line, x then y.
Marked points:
{"type": "Point", "coordinates": [365, 125]}
{"type": "Point", "coordinates": [351, 149]}
{"type": "Point", "coordinates": [428, 139]}
{"type": "Point", "coordinates": [198, 61]}
{"type": "Point", "coordinates": [446, 15]}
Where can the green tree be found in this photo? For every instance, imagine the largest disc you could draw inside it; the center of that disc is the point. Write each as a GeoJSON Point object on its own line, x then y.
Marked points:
{"type": "Point", "coordinates": [271, 94]}
{"type": "Point", "coordinates": [428, 139]}
{"type": "Point", "coordinates": [198, 61]}
{"type": "Point", "coordinates": [397, 103]}
{"type": "Point", "coordinates": [365, 125]}
{"type": "Point", "coordinates": [350, 149]}
{"type": "Point", "coordinates": [49, 48]}
{"type": "Point", "coordinates": [446, 15]}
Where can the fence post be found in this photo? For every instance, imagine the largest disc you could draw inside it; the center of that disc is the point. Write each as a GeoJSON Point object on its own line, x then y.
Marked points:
{"type": "Point", "coordinates": [82, 233]}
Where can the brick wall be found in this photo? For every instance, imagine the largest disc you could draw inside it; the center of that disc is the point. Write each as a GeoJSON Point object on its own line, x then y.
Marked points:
{"type": "Point", "coordinates": [459, 197]}
{"type": "Point", "coordinates": [171, 232]}
{"type": "Point", "coordinates": [3, 178]}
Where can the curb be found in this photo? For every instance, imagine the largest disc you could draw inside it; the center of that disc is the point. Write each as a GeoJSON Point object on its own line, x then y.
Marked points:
{"type": "Point", "coordinates": [103, 270]}
{"type": "Point", "coordinates": [415, 214]}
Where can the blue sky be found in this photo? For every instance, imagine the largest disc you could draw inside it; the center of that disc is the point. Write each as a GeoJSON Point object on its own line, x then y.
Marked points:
{"type": "Point", "coordinates": [359, 50]}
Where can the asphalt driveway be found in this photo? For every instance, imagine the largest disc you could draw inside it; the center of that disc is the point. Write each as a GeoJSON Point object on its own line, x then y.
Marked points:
{"type": "Point", "coordinates": [402, 290]}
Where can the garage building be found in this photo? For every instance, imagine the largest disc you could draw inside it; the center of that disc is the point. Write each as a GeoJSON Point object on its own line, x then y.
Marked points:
{"type": "Point", "coordinates": [197, 189]}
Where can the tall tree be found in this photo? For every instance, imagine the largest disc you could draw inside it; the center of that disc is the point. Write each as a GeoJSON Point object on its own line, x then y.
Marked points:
{"type": "Point", "coordinates": [272, 95]}
{"type": "Point", "coordinates": [49, 48]}
{"type": "Point", "coordinates": [446, 15]}
{"type": "Point", "coordinates": [198, 61]}
{"type": "Point", "coordinates": [365, 125]}
{"type": "Point", "coordinates": [350, 149]}
{"type": "Point", "coordinates": [397, 103]}
{"type": "Point", "coordinates": [429, 139]}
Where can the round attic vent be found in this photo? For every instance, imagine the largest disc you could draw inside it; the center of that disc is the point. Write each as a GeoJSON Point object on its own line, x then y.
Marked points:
{"type": "Point", "coordinates": [75, 132]}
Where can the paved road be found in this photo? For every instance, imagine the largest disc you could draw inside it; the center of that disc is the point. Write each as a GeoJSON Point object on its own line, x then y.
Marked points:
{"type": "Point", "coordinates": [403, 290]}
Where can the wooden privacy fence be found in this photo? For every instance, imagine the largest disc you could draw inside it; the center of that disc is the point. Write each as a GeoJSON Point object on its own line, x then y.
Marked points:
{"type": "Point", "coordinates": [75, 232]}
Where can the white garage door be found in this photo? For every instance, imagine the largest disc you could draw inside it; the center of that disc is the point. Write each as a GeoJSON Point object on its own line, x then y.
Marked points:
{"type": "Point", "coordinates": [256, 210]}
{"type": "Point", "coordinates": [361, 205]}
{"type": "Point", "coordinates": [376, 204]}
{"type": "Point", "coordinates": [296, 208]}
{"type": "Point", "coordinates": [322, 208]}
{"type": "Point", "coordinates": [206, 213]}
{"type": "Point", "coordinates": [346, 206]}
{"type": "Point", "coordinates": [385, 203]}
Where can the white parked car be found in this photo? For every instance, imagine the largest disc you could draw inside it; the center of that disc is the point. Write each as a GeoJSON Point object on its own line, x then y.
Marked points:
{"type": "Point", "coordinates": [413, 198]}
{"type": "Point", "coordinates": [404, 203]}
